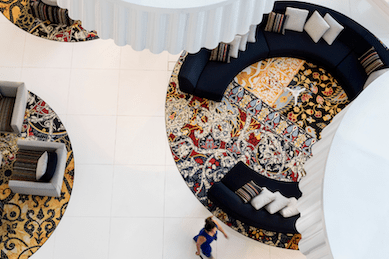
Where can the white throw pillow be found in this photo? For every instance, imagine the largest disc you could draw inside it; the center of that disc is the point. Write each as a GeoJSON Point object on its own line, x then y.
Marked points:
{"type": "Point", "coordinates": [252, 31]}
{"type": "Point", "coordinates": [333, 32]}
{"type": "Point", "coordinates": [291, 209]}
{"type": "Point", "coordinates": [296, 19]}
{"type": "Point", "coordinates": [50, 2]}
{"type": "Point", "coordinates": [234, 46]}
{"type": "Point", "coordinates": [373, 76]}
{"type": "Point", "coordinates": [243, 42]}
{"type": "Point", "coordinates": [41, 166]}
{"type": "Point", "coordinates": [279, 203]}
{"type": "Point", "coordinates": [264, 198]}
{"type": "Point", "coordinates": [316, 26]}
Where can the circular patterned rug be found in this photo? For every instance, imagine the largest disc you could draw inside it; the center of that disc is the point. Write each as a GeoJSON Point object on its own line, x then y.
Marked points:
{"type": "Point", "coordinates": [28, 220]}
{"type": "Point", "coordinates": [256, 122]}
{"type": "Point", "coordinates": [45, 21]}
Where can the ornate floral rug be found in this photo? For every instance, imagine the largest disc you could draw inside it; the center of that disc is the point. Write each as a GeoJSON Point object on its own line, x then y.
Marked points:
{"type": "Point", "coordinates": [256, 122]}
{"type": "Point", "coordinates": [28, 220]}
{"type": "Point", "coordinates": [22, 14]}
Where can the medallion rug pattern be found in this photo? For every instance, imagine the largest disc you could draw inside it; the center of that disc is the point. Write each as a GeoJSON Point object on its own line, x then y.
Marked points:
{"type": "Point", "coordinates": [257, 123]}
{"type": "Point", "coordinates": [28, 220]}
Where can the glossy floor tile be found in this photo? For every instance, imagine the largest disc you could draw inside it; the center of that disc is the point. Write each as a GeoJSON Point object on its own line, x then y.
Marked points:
{"type": "Point", "coordinates": [142, 93]}
{"type": "Point", "coordinates": [145, 182]}
{"type": "Point", "coordinates": [38, 79]}
{"type": "Point", "coordinates": [140, 141]}
{"type": "Point", "coordinates": [46, 251]}
{"type": "Point", "coordinates": [39, 52]}
{"type": "Point", "coordinates": [136, 238]}
{"type": "Point", "coordinates": [10, 73]}
{"type": "Point", "coordinates": [82, 237]}
{"type": "Point", "coordinates": [92, 138]}
{"type": "Point", "coordinates": [179, 200]}
{"type": "Point", "coordinates": [93, 92]}
{"type": "Point", "coordinates": [91, 196]}
{"type": "Point", "coordinates": [12, 45]}
{"type": "Point", "coordinates": [96, 54]}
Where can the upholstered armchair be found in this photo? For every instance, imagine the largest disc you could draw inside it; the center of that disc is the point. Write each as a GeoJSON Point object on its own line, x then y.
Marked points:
{"type": "Point", "coordinates": [13, 100]}
{"type": "Point", "coordinates": [24, 176]}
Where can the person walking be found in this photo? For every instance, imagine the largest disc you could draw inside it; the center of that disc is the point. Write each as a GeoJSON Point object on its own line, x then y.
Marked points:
{"type": "Point", "coordinates": [206, 236]}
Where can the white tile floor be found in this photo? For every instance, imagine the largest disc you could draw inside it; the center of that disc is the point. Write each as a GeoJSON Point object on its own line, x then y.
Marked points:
{"type": "Point", "coordinates": [128, 200]}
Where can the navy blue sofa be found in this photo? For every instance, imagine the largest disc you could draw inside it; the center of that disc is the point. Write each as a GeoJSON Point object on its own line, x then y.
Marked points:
{"type": "Point", "coordinates": [222, 194]}
{"type": "Point", "coordinates": [209, 79]}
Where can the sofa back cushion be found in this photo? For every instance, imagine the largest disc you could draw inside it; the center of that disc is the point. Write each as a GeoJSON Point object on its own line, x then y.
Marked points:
{"type": "Point", "coordinates": [191, 70]}
{"type": "Point", "coordinates": [216, 76]}
{"type": "Point", "coordinates": [25, 165]}
{"type": "Point", "coordinates": [300, 45]}
{"type": "Point", "coordinates": [6, 108]}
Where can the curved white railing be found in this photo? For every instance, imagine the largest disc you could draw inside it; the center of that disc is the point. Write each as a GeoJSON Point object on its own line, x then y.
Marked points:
{"type": "Point", "coordinates": [314, 243]}
{"type": "Point", "coordinates": [343, 142]}
{"type": "Point", "coordinates": [170, 25]}
{"type": "Point", "coordinates": [382, 5]}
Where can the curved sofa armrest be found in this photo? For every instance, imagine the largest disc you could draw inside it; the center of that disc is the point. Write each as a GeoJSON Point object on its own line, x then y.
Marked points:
{"type": "Point", "coordinates": [33, 188]}
{"type": "Point", "coordinates": [57, 179]}
{"type": "Point", "coordinates": [8, 88]}
{"type": "Point", "coordinates": [191, 70]}
{"type": "Point", "coordinates": [19, 91]}
{"type": "Point", "coordinates": [19, 109]}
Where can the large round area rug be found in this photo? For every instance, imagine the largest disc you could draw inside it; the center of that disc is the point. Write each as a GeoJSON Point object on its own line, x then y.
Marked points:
{"type": "Point", "coordinates": [45, 21]}
{"type": "Point", "coordinates": [259, 122]}
{"type": "Point", "coordinates": [28, 220]}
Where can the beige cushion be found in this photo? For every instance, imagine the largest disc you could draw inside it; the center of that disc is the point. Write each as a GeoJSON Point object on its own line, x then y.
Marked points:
{"type": "Point", "coordinates": [279, 203]}
{"type": "Point", "coordinates": [334, 30]}
{"type": "Point", "coordinates": [251, 35]}
{"type": "Point", "coordinates": [264, 198]}
{"type": "Point", "coordinates": [50, 2]}
{"type": "Point", "coordinates": [291, 209]}
{"type": "Point", "coordinates": [316, 26]}
{"type": "Point", "coordinates": [41, 166]}
{"type": "Point", "coordinates": [234, 49]}
{"type": "Point", "coordinates": [296, 19]}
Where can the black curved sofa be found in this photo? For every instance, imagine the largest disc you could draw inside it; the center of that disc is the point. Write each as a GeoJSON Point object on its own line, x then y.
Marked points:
{"type": "Point", "coordinates": [209, 79]}
{"type": "Point", "coordinates": [222, 194]}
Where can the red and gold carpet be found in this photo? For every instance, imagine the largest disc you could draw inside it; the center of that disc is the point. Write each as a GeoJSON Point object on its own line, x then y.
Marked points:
{"type": "Point", "coordinates": [257, 123]}
{"type": "Point", "coordinates": [28, 220]}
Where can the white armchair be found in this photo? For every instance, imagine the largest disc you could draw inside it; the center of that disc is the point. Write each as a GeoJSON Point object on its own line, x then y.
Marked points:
{"type": "Point", "coordinates": [18, 91]}
{"type": "Point", "coordinates": [54, 186]}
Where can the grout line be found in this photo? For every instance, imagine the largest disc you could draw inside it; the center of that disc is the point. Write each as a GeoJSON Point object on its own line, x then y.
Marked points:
{"type": "Point", "coordinates": [70, 81]}
{"type": "Point", "coordinates": [116, 115]}
{"type": "Point", "coordinates": [110, 210]}
{"type": "Point", "coordinates": [114, 154]}
{"type": "Point", "coordinates": [24, 50]}
{"type": "Point", "coordinates": [164, 210]}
